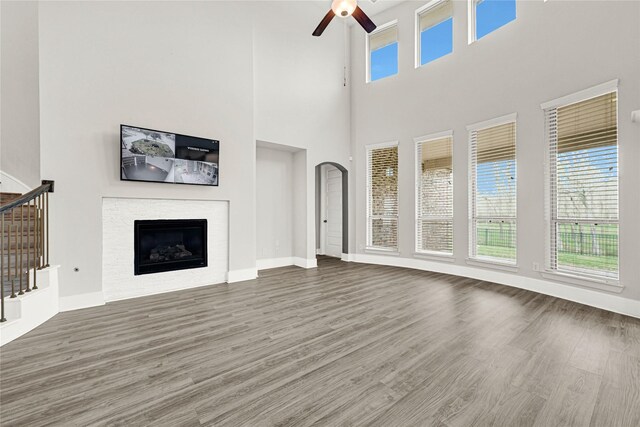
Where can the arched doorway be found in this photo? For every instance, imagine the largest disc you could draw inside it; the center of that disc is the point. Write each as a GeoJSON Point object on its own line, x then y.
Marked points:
{"type": "Point", "coordinates": [332, 209]}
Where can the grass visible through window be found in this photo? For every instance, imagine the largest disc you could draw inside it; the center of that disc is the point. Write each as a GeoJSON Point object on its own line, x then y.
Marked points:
{"type": "Point", "coordinates": [584, 248]}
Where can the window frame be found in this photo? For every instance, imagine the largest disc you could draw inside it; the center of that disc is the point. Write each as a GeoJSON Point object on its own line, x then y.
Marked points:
{"type": "Point", "coordinates": [472, 235]}
{"type": "Point", "coordinates": [472, 20]}
{"type": "Point", "coordinates": [550, 271]}
{"type": "Point", "coordinates": [367, 43]}
{"type": "Point", "coordinates": [418, 34]}
{"type": "Point", "coordinates": [369, 216]}
{"type": "Point", "coordinates": [418, 186]}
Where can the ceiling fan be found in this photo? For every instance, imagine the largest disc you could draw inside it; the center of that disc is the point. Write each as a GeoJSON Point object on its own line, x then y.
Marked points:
{"type": "Point", "coordinates": [344, 9]}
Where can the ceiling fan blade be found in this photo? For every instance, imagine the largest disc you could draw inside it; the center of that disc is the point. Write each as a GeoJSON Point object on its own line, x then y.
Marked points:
{"type": "Point", "coordinates": [324, 23]}
{"type": "Point", "coordinates": [363, 20]}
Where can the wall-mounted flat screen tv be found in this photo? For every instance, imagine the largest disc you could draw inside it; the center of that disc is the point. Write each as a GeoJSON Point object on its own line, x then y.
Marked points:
{"type": "Point", "coordinates": [155, 156]}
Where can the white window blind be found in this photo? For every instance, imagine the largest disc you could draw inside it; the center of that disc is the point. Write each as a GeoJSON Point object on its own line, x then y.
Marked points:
{"type": "Point", "coordinates": [382, 197]}
{"type": "Point", "coordinates": [493, 193]}
{"type": "Point", "coordinates": [434, 25]}
{"type": "Point", "coordinates": [382, 52]}
{"type": "Point", "coordinates": [434, 196]}
{"type": "Point", "coordinates": [383, 38]}
{"type": "Point", "coordinates": [583, 181]}
{"type": "Point", "coordinates": [439, 12]}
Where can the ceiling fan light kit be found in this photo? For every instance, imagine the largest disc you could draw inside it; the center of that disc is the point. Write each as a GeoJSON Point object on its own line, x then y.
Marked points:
{"type": "Point", "coordinates": [344, 9]}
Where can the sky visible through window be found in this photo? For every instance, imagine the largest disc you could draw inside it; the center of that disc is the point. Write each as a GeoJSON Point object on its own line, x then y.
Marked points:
{"type": "Point", "coordinates": [503, 172]}
{"type": "Point", "coordinates": [436, 41]}
{"type": "Point", "coordinates": [384, 62]}
{"type": "Point", "coordinates": [599, 159]}
{"type": "Point", "coordinates": [493, 14]}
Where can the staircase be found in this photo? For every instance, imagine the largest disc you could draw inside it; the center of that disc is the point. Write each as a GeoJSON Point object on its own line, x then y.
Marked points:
{"type": "Point", "coordinates": [21, 254]}
{"type": "Point", "coordinates": [28, 290]}
{"type": "Point", "coordinates": [8, 197]}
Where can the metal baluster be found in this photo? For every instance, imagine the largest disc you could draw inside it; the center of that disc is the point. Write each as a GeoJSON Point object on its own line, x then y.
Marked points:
{"type": "Point", "coordinates": [40, 232]}
{"type": "Point", "coordinates": [28, 268]}
{"type": "Point", "coordinates": [35, 240]}
{"type": "Point", "coordinates": [46, 212]}
{"type": "Point", "coordinates": [22, 269]}
{"type": "Point", "coordinates": [16, 269]}
{"type": "Point", "coordinates": [2, 318]}
{"type": "Point", "coordinates": [9, 270]}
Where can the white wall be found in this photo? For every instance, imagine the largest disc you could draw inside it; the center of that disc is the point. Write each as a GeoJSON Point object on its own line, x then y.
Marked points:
{"type": "Point", "coordinates": [234, 71]}
{"type": "Point", "coordinates": [552, 49]}
{"type": "Point", "coordinates": [175, 66]}
{"type": "Point", "coordinates": [302, 213]}
{"type": "Point", "coordinates": [20, 110]}
{"type": "Point", "coordinates": [274, 203]}
{"type": "Point", "coordinates": [247, 71]}
{"type": "Point", "coordinates": [300, 97]}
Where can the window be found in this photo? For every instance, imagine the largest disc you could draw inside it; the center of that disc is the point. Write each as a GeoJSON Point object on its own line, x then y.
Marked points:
{"type": "Point", "coordinates": [486, 16]}
{"type": "Point", "coordinates": [435, 31]}
{"type": "Point", "coordinates": [382, 196]}
{"type": "Point", "coordinates": [382, 52]}
{"type": "Point", "coordinates": [434, 188]}
{"type": "Point", "coordinates": [493, 190]}
{"type": "Point", "coordinates": [583, 186]}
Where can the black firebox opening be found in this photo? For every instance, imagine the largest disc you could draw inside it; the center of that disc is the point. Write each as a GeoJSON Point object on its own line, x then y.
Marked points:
{"type": "Point", "coordinates": [169, 244]}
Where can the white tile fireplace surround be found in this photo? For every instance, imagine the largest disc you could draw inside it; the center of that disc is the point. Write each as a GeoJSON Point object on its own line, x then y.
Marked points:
{"type": "Point", "coordinates": [118, 216]}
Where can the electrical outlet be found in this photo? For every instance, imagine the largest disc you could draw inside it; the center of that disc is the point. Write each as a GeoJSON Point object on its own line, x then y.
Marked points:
{"type": "Point", "coordinates": [536, 266]}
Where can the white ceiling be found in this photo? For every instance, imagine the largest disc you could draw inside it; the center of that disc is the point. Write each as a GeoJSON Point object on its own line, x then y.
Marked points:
{"type": "Point", "coordinates": [370, 7]}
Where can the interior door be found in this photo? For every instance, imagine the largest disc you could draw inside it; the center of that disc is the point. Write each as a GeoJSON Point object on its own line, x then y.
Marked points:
{"type": "Point", "coordinates": [333, 212]}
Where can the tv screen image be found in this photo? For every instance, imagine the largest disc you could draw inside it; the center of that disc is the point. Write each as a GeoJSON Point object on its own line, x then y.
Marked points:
{"type": "Point", "coordinates": [154, 156]}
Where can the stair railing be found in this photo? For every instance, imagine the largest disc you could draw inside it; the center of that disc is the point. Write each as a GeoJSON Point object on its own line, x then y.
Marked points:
{"type": "Point", "coordinates": [24, 240]}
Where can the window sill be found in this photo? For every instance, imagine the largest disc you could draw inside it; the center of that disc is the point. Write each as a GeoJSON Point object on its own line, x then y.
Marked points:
{"type": "Point", "coordinates": [434, 256]}
{"type": "Point", "coordinates": [513, 268]}
{"type": "Point", "coordinates": [611, 285]}
{"type": "Point", "coordinates": [380, 251]}
{"type": "Point", "coordinates": [369, 81]}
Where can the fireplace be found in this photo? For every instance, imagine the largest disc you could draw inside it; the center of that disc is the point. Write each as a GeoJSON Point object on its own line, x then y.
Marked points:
{"type": "Point", "coordinates": [167, 245]}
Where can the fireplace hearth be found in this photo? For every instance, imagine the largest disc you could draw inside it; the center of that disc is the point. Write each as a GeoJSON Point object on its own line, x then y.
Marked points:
{"type": "Point", "coordinates": [168, 245]}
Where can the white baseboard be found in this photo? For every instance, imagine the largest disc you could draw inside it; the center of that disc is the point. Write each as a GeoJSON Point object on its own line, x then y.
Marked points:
{"type": "Point", "coordinates": [76, 302]}
{"type": "Point", "coordinates": [347, 257]}
{"type": "Point", "coordinates": [305, 262]}
{"type": "Point", "coordinates": [265, 264]}
{"type": "Point", "coordinates": [215, 280]}
{"type": "Point", "coordinates": [242, 275]}
{"type": "Point", "coordinates": [179, 286]}
{"type": "Point", "coordinates": [603, 300]}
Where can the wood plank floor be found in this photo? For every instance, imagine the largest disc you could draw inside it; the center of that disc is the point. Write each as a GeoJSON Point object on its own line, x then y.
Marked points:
{"type": "Point", "coordinates": [344, 344]}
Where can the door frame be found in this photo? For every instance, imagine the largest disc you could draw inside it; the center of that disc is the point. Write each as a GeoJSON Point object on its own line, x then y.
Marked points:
{"type": "Point", "coordinates": [345, 204]}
